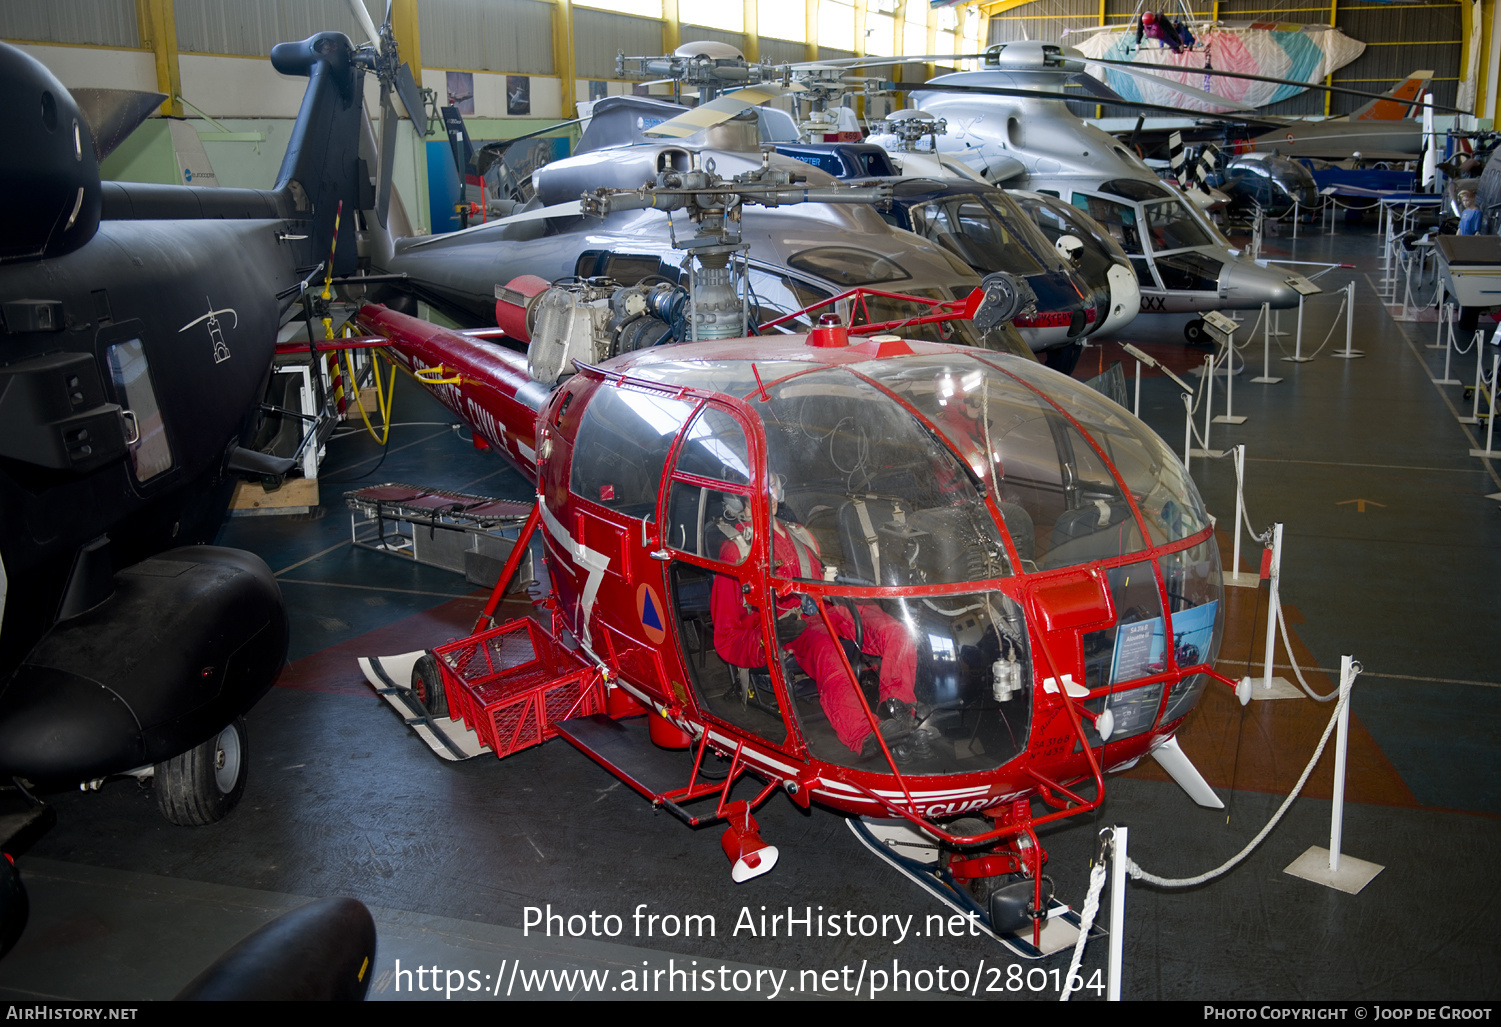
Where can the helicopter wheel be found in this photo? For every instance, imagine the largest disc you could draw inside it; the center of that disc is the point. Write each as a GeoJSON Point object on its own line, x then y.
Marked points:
{"type": "Point", "coordinates": [202, 785]}
{"type": "Point", "coordinates": [427, 686]}
{"type": "Point", "coordinates": [1194, 332]}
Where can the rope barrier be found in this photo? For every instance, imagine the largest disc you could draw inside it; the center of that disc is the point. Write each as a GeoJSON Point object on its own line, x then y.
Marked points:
{"type": "Point", "coordinates": [1139, 874]}
{"type": "Point", "coordinates": [1086, 921]}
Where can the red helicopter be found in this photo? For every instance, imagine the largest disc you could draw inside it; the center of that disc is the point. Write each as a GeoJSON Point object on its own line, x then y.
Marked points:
{"type": "Point", "coordinates": [908, 581]}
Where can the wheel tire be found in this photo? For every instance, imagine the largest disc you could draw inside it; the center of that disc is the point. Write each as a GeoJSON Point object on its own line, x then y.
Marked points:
{"type": "Point", "coordinates": [202, 785]}
{"type": "Point", "coordinates": [1194, 333]}
{"type": "Point", "coordinates": [427, 686]}
{"type": "Point", "coordinates": [969, 826]}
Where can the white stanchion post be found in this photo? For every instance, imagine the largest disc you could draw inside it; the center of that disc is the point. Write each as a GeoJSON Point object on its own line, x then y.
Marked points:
{"type": "Point", "coordinates": [1296, 219]}
{"type": "Point", "coordinates": [1347, 353]}
{"type": "Point", "coordinates": [1208, 407]}
{"type": "Point", "coordinates": [1446, 329]}
{"type": "Point", "coordinates": [1490, 419]}
{"type": "Point", "coordinates": [1266, 349]}
{"type": "Point", "coordinates": [1274, 602]}
{"type": "Point", "coordinates": [1331, 867]}
{"type": "Point", "coordinates": [1477, 341]}
{"type": "Point", "coordinates": [1235, 577]}
{"type": "Point", "coordinates": [1228, 417]}
{"type": "Point", "coordinates": [1407, 289]}
{"type": "Point", "coordinates": [1298, 357]}
{"type": "Point", "coordinates": [1269, 686]}
{"type": "Point", "coordinates": [1137, 408]}
{"type": "Point", "coordinates": [1341, 755]}
{"type": "Point", "coordinates": [1118, 860]}
{"type": "Point", "coordinates": [1440, 306]}
{"type": "Point", "coordinates": [1188, 429]}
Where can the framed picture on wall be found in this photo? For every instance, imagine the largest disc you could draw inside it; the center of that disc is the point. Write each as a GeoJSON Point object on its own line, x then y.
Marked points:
{"type": "Point", "coordinates": [518, 95]}
{"type": "Point", "coordinates": [461, 91]}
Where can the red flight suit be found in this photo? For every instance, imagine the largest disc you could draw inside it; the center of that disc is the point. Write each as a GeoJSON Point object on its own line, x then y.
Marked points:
{"type": "Point", "coordinates": [739, 641]}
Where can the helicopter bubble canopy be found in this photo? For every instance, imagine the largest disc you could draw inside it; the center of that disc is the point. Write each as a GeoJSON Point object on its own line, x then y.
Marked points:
{"type": "Point", "coordinates": [943, 487]}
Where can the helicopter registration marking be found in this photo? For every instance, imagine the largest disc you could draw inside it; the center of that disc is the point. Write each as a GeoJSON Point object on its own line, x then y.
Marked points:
{"type": "Point", "coordinates": [591, 560]}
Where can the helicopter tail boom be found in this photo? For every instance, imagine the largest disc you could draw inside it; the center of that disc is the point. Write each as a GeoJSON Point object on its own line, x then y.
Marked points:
{"type": "Point", "coordinates": [484, 384]}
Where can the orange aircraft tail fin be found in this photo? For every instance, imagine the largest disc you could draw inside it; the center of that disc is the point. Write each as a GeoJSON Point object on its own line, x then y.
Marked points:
{"type": "Point", "coordinates": [1399, 102]}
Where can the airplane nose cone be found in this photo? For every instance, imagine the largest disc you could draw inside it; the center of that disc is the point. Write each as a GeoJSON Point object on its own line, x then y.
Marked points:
{"type": "Point", "coordinates": [1247, 285]}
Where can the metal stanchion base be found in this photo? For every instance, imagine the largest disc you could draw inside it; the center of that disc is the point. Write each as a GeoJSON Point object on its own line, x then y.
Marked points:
{"type": "Point", "coordinates": [1446, 381]}
{"type": "Point", "coordinates": [1264, 380]}
{"type": "Point", "coordinates": [1491, 454]}
{"type": "Point", "coordinates": [1215, 453]}
{"type": "Point", "coordinates": [1494, 495]}
{"type": "Point", "coordinates": [1467, 420]}
{"type": "Point", "coordinates": [1229, 419]}
{"type": "Point", "coordinates": [1281, 688]}
{"type": "Point", "coordinates": [1241, 579]}
{"type": "Point", "coordinates": [1353, 874]}
{"type": "Point", "coordinates": [1349, 354]}
{"type": "Point", "coordinates": [1296, 360]}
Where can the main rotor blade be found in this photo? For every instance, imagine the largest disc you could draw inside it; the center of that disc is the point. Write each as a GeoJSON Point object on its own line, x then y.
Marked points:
{"type": "Point", "coordinates": [557, 210]}
{"type": "Point", "coordinates": [387, 155]}
{"type": "Point", "coordinates": [1343, 90]}
{"type": "Point", "coordinates": [721, 109]}
{"type": "Point", "coordinates": [1051, 94]}
{"type": "Point", "coordinates": [372, 34]}
{"type": "Point", "coordinates": [411, 98]}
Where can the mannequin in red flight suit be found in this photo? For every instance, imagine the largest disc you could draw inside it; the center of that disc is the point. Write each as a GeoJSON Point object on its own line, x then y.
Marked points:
{"type": "Point", "coordinates": [738, 638]}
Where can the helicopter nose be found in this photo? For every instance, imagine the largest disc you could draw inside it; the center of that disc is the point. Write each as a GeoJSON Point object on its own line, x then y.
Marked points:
{"type": "Point", "coordinates": [1248, 285]}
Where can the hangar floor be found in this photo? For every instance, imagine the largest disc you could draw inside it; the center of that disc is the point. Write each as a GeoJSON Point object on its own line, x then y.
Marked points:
{"type": "Point", "coordinates": [344, 800]}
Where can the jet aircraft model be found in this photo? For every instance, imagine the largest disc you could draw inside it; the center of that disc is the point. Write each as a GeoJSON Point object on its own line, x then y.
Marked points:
{"type": "Point", "coordinates": [139, 327]}
{"type": "Point", "coordinates": [1024, 577]}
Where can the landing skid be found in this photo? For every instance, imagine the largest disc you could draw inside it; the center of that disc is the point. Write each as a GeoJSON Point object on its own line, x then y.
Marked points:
{"type": "Point", "coordinates": [447, 737]}
{"type": "Point", "coordinates": [917, 856]}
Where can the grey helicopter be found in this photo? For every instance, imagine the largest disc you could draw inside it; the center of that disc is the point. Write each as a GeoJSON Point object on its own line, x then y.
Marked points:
{"type": "Point", "coordinates": [1015, 114]}
{"type": "Point", "coordinates": [799, 256]}
{"type": "Point", "coordinates": [1078, 239]}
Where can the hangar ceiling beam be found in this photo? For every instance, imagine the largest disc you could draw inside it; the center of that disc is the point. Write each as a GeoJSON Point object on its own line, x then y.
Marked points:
{"type": "Point", "coordinates": [157, 24]}
{"type": "Point", "coordinates": [672, 27]}
{"type": "Point", "coordinates": [752, 28]}
{"type": "Point", "coordinates": [562, 52]}
{"type": "Point", "coordinates": [408, 33]}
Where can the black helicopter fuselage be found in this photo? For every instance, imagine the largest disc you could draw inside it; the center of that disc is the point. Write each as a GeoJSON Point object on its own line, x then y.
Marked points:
{"type": "Point", "coordinates": [138, 325]}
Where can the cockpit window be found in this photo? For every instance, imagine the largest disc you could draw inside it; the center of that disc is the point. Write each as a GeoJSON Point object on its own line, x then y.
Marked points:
{"type": "Point", "coordinates": [1135, 189]}
{"type": "Point", "coordinates": [1118, 219]}
{"type": "Point", "coordinates": [622, 445]}
{"type": "Point", "coordinates": [1173, 226]}
{"type": "Point", "coordinates": [883, 501]}
{"type": "Point", "coordinates": [1164, 493]}
{"type": "Point", "coordinates": [846, 266]}
{"type": "Point", "coordinates": [1060, 502]}
{"type": "Point", "coordinates": [971, 230]}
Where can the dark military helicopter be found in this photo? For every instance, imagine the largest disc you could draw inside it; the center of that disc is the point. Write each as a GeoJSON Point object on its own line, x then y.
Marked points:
{"type": "Point", "coordinates": [139, 323]}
